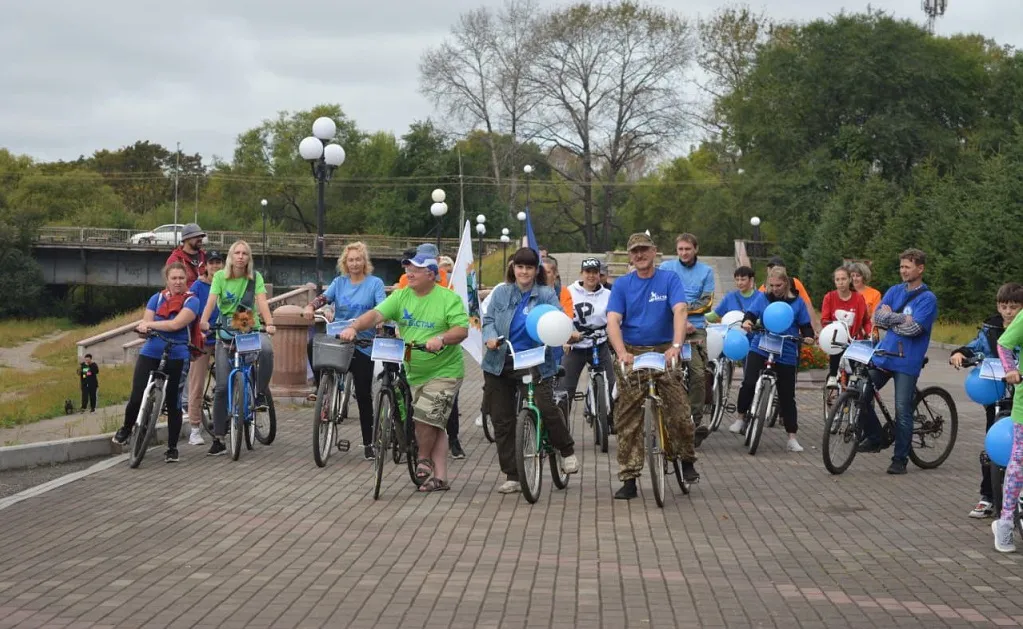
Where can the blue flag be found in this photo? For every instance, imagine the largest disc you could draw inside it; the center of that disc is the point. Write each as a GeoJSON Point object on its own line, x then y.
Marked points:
{"type": "Point", "coordinates": [530, 235]}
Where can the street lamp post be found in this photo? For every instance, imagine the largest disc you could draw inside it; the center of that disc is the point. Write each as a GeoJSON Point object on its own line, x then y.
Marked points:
{"type": "Point", "coordinates": [262, 263]}
{"type": "Point", "coordinates": [755, 222]}
{"type": "Point", "coordinates": [528, 170]}
{"type": "Point", "coordinates": [324, 156]}
{"type": "Point", "coordinates": [522, 229]}
{"type": "Point", "coordinates": [481, 229]}
{"type": "Point", "coordinates": [438, 209]}
{"type": "Point", "coordinates": [505, 239]}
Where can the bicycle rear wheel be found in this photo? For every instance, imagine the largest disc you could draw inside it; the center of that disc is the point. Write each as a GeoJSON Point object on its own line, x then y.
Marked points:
{"type": "Point", "coordinates": [412, 447]}
{"type": "Point", "coordinates": [935, 426]}
{"type": "Point", "coordinates": [528, 455]}
{"type": "Point", "coordinates": [842, 433]}
{"type": "Point", "coordinates": [207, 404]}
{"type": "Point", "coordinates": [654, 453]}
{"type": "Point", "coordinates": [381, 436]}
{"type": "Point", "coordinates": [150, 413]}
{"type": "Point", "coordinates": [760, 416]}
{"type": "Point", "coordinates": [324, 429]}
{"type": "Point", "coordinates": [237, 414]}
{"type": "Point", "coordinates": [488, 427]}
{"type": "Point", "coordinates": [266, 421]}
{"type": "Point", "coordinates": [600, 420]}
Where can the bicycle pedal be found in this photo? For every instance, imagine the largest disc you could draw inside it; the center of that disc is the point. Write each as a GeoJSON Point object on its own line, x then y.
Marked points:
{"type": "Point", "coordinates": [730, 408]}
{"type": "Point", "coordinates": [344, 445]}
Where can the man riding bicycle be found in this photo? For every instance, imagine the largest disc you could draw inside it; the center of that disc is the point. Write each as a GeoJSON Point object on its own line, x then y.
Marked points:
{"type": "Point", "coordinates": [432, 315]}
{"type": "Point", "coordinates": [908, 312]}
{"type": "Point", "coordinates": [647, 313]}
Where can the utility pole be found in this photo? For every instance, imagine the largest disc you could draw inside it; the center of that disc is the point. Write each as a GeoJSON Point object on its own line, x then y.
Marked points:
{"type": "Point", "coordinates": [177, 167]}
{"type": "Point", "coordinates": [461, 193]}
{"type": "Point", "coordinates": [196, 219]}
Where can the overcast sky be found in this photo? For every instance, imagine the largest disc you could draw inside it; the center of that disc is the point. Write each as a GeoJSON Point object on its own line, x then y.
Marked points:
{"type": "Point", "coordinates": [80, 76]}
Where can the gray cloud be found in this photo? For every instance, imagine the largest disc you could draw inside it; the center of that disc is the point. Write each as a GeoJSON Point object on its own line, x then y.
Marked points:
{"type": "Point", "coordinates": [80, 76]}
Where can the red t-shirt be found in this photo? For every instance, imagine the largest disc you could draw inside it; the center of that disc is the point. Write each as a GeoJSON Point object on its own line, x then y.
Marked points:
{"type": "Point", "coordinates": [853, 312]}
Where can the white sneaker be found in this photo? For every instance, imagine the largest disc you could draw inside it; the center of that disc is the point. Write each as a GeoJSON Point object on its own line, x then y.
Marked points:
{"type": "Point", "coordinates": [832, 382]}
{"type": "Point", "coordinates": [984, 509]}
{"type": "Point", "coordinates": [479, 421]}
{"type": "Point", "coordinates": [570, 464]}
{"type": "Point", "coordinates": [510, 487]}
{"type": "Point", "coordinates": [793, 445]}
{"type": "Point", "coordinates": [1004, 542]}
{"type": "Point", "coordinates": [195, 439]}
{"type": "Point", "coordinates": [736, 426]}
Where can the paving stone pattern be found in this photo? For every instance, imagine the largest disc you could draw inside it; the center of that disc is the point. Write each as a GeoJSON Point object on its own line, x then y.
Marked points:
{"type": "Point", "coordinates": [274, 541]}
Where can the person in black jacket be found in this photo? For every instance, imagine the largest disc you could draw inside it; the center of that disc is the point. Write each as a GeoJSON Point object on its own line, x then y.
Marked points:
{"type": "Point", "coordinates": [88, 372]}
{"type": "Point", "coordinates": [1010, 302]}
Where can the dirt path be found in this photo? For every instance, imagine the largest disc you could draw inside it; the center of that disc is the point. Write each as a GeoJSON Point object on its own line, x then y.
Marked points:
{"type": "Point", "coordinates": [20, 357]}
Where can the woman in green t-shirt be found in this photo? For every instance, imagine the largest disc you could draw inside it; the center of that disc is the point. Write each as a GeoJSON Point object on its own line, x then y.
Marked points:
{"type": "Point", "coordinates": [236, 287]}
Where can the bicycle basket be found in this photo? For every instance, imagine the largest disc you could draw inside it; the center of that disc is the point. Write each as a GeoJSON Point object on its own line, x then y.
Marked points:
{"type": "Point", "coordinates": [330, 353]}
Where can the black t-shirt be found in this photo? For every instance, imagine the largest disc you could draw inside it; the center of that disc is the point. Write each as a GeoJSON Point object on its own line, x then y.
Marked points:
{"type": "Point", "coordinates": [88, 374]}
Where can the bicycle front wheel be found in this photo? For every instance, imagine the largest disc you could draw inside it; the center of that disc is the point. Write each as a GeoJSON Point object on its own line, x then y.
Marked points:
{"type": "Point", "coordinates": [842, 433]}
{"type": "Point", "coordinates": [346, 396]}
{"type": "Point", "coordinates": [488, 427]}
{"type": "Point", "coordinates": [654, 452]}
{"type": "Point", "coordinates": [324, 428]}
{"type": "Point", "coordinates": [381, 437]}
{"type": "Point", "coordinates": [237, 414]}
{"type": "Point", "coordinates": [935, 426]}
{"type": "Point", "coordinates": [600, 421]}
{"type": "Point", "coordinates": [760, 416]}
{"type": "Point", "coordinates": [528, 456]}
{"type": "Point", "coordinates": [143, 434]}
{"type": "Point", "coordinates": [717, 400]}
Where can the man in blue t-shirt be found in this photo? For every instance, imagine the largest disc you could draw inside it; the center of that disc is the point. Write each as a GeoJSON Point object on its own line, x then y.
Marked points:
{"type": "Point", "coordinates": [647, 313]}
{"type": "Point", "coordinates": [698, 282]}
{"type": "Point", "coordinates": [908, 312]}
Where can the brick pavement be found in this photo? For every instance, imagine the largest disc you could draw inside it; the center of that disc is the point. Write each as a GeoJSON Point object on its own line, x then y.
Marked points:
{"type": "Point", "coordinates": [274, 541]}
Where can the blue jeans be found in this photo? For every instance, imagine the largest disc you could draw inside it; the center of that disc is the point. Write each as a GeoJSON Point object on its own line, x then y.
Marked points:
{"type": "Point", "coordinates": [905, 392]}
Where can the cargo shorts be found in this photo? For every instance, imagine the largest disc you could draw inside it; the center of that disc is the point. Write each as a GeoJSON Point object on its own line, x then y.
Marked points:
{"type": "Point", "coordinates": [432, 401]}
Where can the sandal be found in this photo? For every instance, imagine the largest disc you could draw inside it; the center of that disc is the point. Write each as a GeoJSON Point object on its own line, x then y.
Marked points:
{"type": "Point", "coordinates": [422, 464]}
{"type": "Point", "coordinates": [434, 484]}
{"type": "Point", "coordinates": [311, 397]}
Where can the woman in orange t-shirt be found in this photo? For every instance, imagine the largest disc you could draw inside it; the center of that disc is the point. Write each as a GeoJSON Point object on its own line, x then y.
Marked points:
{"type": "Point", "coordinates": [860, 275]}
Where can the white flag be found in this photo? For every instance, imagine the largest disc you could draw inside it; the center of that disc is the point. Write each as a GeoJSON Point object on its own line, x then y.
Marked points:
{"type": "Point", "coordinates": [464, 283]}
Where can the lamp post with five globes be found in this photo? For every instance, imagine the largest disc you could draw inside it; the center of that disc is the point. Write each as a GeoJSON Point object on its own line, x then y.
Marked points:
{"type": "Point", "coordinates": [438, 209]}
{"type": "Point", "coordinates": [324, 156]}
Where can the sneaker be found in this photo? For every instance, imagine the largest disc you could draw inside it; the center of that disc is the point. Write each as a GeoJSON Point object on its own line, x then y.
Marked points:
{"type": "Point", "coordinates": [368, 453]}
{"type": "Point", "coordinates": [1004, 541]}
{"type": "Point", "coordinates": [122, 436]}
{"type": "Point", "coordinates": [832, 382]}
{"type": "Point", "coordinates": [793, 445]}
{"type": "Point", "coordinates": [689, 473]}
{"type": "Point", "coordinates": [478, 421]}
{"type": "Point", "coordinates": [456, 449]}
{"type": "Point", "coordinates": [627, 490]}
{"type": "Point", "coordinates": [897, 467]}
{"type": "Point", "coordinates": [195, 439]}
{"type": "Point", "coordinates": [261, 404]}
{"type": "Point", "coordinates": [570, 464]}
{"type": "Point", "coordinates": [737, 427]}
{"type": "Point", "coordinates": [171, 456]}
{"type": "Point", "coordinates": [984, 509]}
{"type": "Point", "coordinates": [217, 449]}
{"type": "Point", "coordinates": [510, 487]}
{"type": "Point", "coordinates": [701, 434]}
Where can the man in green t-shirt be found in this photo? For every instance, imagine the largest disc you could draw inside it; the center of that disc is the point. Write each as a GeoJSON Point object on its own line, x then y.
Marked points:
{"type": "Point", "coordinates": [434, 316]}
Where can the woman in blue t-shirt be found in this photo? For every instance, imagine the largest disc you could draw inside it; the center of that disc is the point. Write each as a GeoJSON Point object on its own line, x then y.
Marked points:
{"type": "Point", "coordinates": [169, 312]}
{"type": "Point", "coordinates": [353, 293]}
{"type": "Point", "coordinates": [779, 288]}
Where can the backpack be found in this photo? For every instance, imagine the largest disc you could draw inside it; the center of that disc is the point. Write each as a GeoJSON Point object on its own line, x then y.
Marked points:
{"type": "Point", "coordinates": [196, 337]}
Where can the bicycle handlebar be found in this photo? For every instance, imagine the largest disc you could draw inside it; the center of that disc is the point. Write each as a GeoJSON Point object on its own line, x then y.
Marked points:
{"type": "Point", "coordinates": [154, 334]}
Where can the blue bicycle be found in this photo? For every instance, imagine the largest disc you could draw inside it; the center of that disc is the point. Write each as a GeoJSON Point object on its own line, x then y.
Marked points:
{"type": "Point", "coordinates": [246, 419]}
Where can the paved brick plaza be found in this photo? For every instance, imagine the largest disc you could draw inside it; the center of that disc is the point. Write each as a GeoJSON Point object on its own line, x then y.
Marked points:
{"type": "Point", "coordinates": [274, 541]}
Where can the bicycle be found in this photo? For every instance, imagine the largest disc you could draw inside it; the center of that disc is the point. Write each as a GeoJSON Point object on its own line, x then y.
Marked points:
{"type": "Point", "coordinates": [842, 426]}
{"type": "Point", "coordinates": [393, 427]}
{"type": "Point", "coordinates": [331, 357]}
{"type": "Point", "coordinates": [764, 409]}
{"type": "Point", "coordinates": [655, 434]}
{"type": "Point", "coordinates": [532, 440]}
{"type": "Point", "coordinates": [1003, 408]}
{"type": "Point", "coordinates": [723, 370]}
{"type": "Point", "coordinates": [597, 405]}
{"type": "Point", "coordinates": [152, 402]}
{"type": "Point", "coordinates": [346, 392]}
{"type": "Point", "coordinates": [246, 420]}
{"type": "Point", "coordinates": [207, 396]}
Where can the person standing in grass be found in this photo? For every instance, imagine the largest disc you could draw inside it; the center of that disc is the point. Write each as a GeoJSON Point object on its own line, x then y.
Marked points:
{"type": "Point", "coordinates": [89, 372]}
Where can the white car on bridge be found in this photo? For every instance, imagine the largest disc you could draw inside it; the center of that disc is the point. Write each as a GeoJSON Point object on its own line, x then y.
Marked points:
{"type": "Point", "coordinates": [162, 235]}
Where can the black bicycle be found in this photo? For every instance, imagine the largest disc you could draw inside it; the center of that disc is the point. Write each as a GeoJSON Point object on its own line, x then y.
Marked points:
{"type": "Point", "coordinates": [597, 406]}
{"type": "Point", "coordinates": [153, 399]}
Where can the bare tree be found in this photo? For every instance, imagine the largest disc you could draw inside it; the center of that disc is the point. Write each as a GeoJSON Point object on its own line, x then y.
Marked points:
{"type": "Point", "coordinates": [610, 80]}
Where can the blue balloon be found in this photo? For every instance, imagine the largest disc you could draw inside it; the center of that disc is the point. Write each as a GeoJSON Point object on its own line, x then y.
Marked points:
{"type": "Point", "coordinates": [736, 345]}
{"type": "Point", "coordinates": [982, 390]}
{"type": "Point", "coordinates": [534, 317]}
{"type": "Point", "coordinates": [998, 441]}
{"type": "Point", "coordinates": [778, 317]}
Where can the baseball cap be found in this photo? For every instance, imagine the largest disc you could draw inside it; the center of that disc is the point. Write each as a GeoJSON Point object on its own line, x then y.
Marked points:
{"type": "Point", "coordinates": [775, 261]}
{"type": "Point", "coordinates": [428, 249]}
{"type": "Point", "coordinates": [214, 255]}
{"type": "Point", "coordinates": [639, 240]}
{"type": "Point", "coordinates": [422, 262]}
{"type": "Point", "coordinates": [590, 263]}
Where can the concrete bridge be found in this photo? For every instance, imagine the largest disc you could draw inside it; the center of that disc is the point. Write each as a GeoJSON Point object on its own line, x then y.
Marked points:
{"type": "Point", "coordinates": [108, 257]}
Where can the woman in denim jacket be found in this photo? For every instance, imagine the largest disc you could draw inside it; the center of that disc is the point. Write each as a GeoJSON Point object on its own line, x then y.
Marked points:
{"type": "Point", "coordinates": [525, 288]}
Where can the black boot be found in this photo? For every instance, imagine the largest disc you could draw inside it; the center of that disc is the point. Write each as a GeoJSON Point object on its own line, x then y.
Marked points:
{"type": "Point", "coordinates": [627, 491]}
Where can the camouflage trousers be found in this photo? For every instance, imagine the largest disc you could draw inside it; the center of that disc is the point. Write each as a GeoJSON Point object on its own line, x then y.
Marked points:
{"type": "Point", "coordinates": [629, 426]}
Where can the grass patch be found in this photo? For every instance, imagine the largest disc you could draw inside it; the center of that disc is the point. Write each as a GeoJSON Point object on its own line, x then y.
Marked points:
{"type": "Point", "coordinates": [65, 349]}
{"type": "Point", "coordinates": [17, 331]}
{"type": "Point", "coordinates": [954, 333]}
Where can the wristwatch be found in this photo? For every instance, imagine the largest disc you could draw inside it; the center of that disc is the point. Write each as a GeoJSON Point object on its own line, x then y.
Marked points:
{"type": "Point", "coordinates": [677, 345]}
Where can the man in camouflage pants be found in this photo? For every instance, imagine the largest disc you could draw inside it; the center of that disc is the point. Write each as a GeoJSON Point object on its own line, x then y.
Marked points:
{"type": "Point", "coordinates": [647, 313]}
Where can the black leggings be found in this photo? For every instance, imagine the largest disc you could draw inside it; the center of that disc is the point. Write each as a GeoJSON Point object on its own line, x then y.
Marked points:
{"type": "Point", "coordinates": [786, 382]}
{"type": "Point", "coordinates": [834, 362]}
{"type": "Point", "coordinates": [360, 370]}
{"type": "Point", "coordinates": [143, 366]}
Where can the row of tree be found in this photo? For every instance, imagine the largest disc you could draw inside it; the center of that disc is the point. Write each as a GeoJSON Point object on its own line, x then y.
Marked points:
{"type": "Point", "coordinates": [851, 137]}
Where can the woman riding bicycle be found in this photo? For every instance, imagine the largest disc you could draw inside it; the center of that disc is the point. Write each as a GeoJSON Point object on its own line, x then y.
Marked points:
{"type": "Point", "coordinates": [589, 299]}
{"type": "Point", "coordinates": [779, 288]}
{"type": "Point", "coordinates": [353, 293]}
{"type": "Point", "coordinates": [525, 288]}
{"type": "Point", "coordinates": [169, 312]}
{"type": "Point", "coordinates": [237, 287]}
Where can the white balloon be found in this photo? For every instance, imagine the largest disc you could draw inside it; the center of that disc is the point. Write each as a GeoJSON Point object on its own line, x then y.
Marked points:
{"type": "Point", "coordinates": [554, 328]}
{"type": "Point", "coordinates": [732, 317]}
{"type": "Point", "coordinates": [832, 334]}
{"type": "Point", "coordinates": [715, 341]}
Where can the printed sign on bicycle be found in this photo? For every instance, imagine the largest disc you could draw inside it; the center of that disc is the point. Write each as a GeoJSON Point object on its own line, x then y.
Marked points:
{"type": "Point", "coordinates": [992, 369]}
{"type": "Point", "coordinates": [771, 343]}
{"type": "Point", "coordinates": [247, 343]}
{"type": "Point", "coordinates": [335, 327]}
{"type": "Point", "coordinates": [529, 358]}
{"type": "Point", "coordinates": [860, 351]}
{"type": "Point", "coordinates": [388, 350]}
{"type": "Point", "coordinates": [649, 360]}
